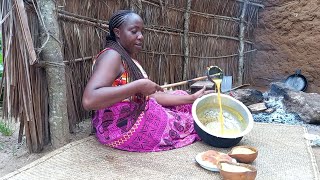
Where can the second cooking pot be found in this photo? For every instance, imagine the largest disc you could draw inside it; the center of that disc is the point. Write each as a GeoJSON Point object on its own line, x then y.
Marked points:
{"type": "Point", "coordinates": [297, 81]}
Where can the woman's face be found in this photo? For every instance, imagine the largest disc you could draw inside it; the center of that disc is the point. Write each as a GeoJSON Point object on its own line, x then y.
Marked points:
{"type": "Point", "coordinates": [130, 34]}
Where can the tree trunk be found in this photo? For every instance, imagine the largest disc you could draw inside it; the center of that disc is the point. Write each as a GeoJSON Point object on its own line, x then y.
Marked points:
{"type": "Point", "coordinates": [186, 39]}
{"type": "Point", "coordinates": [51, 55]}
{"type": "Point", "coordinates": [242, 28]}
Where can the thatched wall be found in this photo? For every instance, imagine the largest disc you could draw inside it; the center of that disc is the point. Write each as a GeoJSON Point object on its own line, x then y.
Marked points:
{"type": "Point", "coordinates": [213, 35]}
{"type": "Point", "coordinates": [182, 38]}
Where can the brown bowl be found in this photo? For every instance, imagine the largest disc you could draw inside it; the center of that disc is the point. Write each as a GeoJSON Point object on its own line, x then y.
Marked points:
{"type": "Point", "coordinates": [244, 154]}
{"type": "Point", "coordinates": [236, 171]}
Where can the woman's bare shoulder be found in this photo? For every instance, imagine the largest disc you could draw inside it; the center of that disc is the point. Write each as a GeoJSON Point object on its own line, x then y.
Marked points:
{"type": "Point", "coordinates": [108, 57]}
{"type": "Point", "coordinates": [107, 67]}
{"type": "Point", "coordinates": [109, 54]}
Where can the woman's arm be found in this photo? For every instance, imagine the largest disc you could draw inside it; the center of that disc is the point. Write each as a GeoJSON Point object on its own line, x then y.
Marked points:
{"type": "Point", "coordinates": [99, 92]}
{"type": "Point", "coordinates": [166, 99]}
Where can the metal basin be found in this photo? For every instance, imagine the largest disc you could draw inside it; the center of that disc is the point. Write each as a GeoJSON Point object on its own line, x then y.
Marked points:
{"type": "Point", "coordinates": [213, 138]}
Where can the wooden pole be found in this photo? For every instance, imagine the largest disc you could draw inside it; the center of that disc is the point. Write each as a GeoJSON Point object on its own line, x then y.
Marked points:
{"type": "Point", "coordinates": [82, 21]}
{"type": "Point", "coordinates": [23, 19]}
{"type": "Point", "coordinates": [186, 39]}
{"type": "Point", "coordinates": [55, 70]}
{"type": "Point", "coordinates": [184, 82]}
{"type": "Point", "coordinates": [242, 27]}
{"type": "Point", "coordinates": [93, 20]}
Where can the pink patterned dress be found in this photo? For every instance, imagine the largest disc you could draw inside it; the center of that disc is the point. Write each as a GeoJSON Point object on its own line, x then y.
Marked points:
{"type": "Point", "coordinates": [158, 128]}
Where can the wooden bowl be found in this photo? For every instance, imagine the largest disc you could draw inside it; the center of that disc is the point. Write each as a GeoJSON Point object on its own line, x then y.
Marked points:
{"type": "Point", "coordinates": [244, 154]}
{"type": "Point", "coordinates": [236, 171]}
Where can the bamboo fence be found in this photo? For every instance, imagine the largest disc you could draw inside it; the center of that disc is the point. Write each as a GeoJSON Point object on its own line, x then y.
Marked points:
{"type": "Point", "coordinates": [182, 38]}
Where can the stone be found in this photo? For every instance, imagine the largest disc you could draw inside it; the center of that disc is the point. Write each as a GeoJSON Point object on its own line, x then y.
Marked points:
{"type": "Point", "coordinates": [279, 89]}
{"type": "Point", "coordinates": [247, 96]}
{"type": "Point", "coordinates": [306, 105]}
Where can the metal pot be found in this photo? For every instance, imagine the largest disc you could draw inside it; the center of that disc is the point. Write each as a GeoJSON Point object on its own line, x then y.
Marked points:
{"type": "Point", "coordinates": [297, 81]}
{"type": "Point", "coordinates": [213, 138]}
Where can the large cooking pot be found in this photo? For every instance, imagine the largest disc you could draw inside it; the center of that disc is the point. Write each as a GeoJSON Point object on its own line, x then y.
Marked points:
{"type": "Point", "coordinates": [297, 81]}
{"type": "Point", "coordinates": [214, 138]}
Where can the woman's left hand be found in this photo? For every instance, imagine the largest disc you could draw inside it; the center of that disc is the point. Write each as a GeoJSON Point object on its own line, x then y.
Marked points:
{"type": "Point", "coordinates": [201, 92]}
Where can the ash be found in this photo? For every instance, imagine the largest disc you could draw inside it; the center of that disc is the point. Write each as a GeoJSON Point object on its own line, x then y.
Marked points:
{"type": "Point", "coordinates": [279, 115]}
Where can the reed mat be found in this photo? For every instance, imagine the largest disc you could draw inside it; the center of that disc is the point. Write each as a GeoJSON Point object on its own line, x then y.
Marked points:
{"type": "Point", "coordinates": [283, 154]}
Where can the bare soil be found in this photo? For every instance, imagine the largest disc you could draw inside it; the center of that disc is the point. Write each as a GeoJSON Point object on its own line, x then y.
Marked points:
{"type": "Point", "coordinates": [14, 155]}
{"type": "Point", "coordinates": [287, 38]}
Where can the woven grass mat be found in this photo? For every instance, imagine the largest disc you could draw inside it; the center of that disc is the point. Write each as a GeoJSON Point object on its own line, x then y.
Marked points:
{"type": "Point", "coordinates": [283, 154]}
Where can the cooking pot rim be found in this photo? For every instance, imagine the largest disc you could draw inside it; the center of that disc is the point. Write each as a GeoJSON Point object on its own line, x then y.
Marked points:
{"type": "Point", "coordinates": [197, 121]}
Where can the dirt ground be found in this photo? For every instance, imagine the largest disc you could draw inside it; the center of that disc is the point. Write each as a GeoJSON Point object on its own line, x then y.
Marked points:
{"type": "Point", "coordinates": [287, 38]}
{"type": "Point", "coordinates": [14, 156]}
{"type": "Point", "coordinates": [316, 150]}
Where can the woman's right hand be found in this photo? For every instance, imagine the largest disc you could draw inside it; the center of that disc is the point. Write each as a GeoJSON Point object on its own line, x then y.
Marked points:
{"type": "Point", "coordinates": [147, 87]}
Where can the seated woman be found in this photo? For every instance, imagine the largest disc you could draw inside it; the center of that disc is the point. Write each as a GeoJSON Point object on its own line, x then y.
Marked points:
{"type": "Point", "coordinates": [132, 112]}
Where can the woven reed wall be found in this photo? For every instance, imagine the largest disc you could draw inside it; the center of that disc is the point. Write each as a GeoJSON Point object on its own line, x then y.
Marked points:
{"type": "Point", "coordinates": [179, 44]}
{"type": "Point", "coordinates": [213, 35]}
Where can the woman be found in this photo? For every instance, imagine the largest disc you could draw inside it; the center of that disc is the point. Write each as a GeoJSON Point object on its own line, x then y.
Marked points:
{"type": "Point", "coordinates": [133, 113]}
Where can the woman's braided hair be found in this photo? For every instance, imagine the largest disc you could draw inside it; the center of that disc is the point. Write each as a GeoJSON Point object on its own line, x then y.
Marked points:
{"type": "Point", "coordinates": [134, 73]}
{"type": "Point", "coordinates": [115, 22]}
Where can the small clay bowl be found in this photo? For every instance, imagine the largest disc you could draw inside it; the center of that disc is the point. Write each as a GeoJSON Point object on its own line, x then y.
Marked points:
{"type": "Point", "coordinates": [236, 171]}
{"type": "Point", "coordinates": [244, 154]}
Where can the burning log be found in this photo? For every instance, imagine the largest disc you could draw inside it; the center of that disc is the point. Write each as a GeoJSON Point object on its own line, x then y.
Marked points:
{"type": "Point", "coordinates": [256, 108]}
